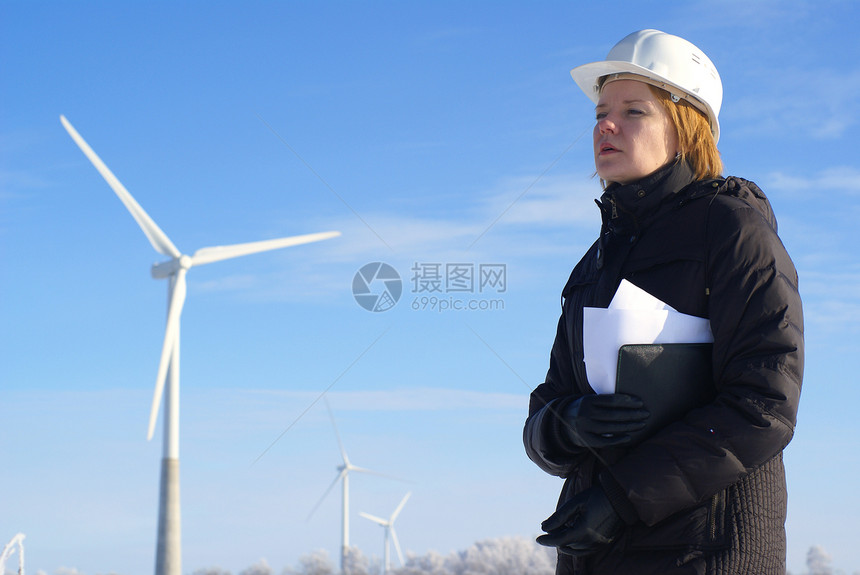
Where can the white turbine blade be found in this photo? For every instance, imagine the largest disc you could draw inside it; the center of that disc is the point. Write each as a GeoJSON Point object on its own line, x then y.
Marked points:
{"type": "Point", "coordinates": [327, 491]}
{"type": "Point", "coordinates": [218, 253]}
{"type": "Point", "coordinates": [9, 550]}
{"type": "Point", "coordinates": [396, 544]}
{"type": "Point", "coordinates": [372, 472]}
{"type": "Point", "coordinates": [399, 507]}
{"type": "Point", "coordinates": [374, 518]}
{"type": "Point", "coordinates": [157, 238]}
{"type": "Point", "coordinates": [346, 463]}
{"type": "Point", "coordinates": [171, 332]}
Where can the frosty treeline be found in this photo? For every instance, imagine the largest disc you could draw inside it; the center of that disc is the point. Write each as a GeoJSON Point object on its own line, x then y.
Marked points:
{"type": "Point", "coordinates": [504, 556]}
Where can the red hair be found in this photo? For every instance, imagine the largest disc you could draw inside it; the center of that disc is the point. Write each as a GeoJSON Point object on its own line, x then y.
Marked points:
{"type": "Point", "coordinates": [695, 140]}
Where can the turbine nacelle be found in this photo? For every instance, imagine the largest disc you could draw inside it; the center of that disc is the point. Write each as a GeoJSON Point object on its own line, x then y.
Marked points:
{"type": "Point", "coordinates": [163, 270]}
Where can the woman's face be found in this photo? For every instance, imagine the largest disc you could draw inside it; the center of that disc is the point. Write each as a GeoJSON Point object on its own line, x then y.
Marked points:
{"type": "Point", "coordinates": [634, 135]}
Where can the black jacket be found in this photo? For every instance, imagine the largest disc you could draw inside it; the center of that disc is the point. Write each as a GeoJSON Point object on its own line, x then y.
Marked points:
{"type": "Point", "coordinates": [705, 494]}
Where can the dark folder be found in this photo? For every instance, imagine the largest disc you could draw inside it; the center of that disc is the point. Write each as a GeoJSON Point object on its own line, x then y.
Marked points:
{"type": "Point", "coordinates": [670, 378]}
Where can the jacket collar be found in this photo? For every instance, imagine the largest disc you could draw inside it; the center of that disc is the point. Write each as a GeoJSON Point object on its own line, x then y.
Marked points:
{"type": "Point", "coordinates": [627, 208]}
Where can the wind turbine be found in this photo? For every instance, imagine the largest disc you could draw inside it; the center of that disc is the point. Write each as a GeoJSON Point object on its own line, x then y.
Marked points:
{"type": "Point", "coordinates": [168, 560]}
{"type": "Point", "coordinates": [342, 476]}
{"type": "Point", "coordinates": [9, 549]}
{"type": "Point", "coordinates": [389, 532]}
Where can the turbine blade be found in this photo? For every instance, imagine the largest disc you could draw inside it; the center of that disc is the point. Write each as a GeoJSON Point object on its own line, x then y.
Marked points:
{"type": "Point", "coordinates": [218, 253]}
{"type": "Point", "coordinates": [157, 238]}
{"type": "Point", "coordinates": [171, 333]}
{"type": "Point", "coordinates": [324, 495]}
{"type": "Point", "coordinates": [371, 472]}
{"type": "Point", "coordinates": [399, 507]}
{"type": "Point", "coordinates": [396, 544]}
{"type": "Point", "coordinates": [374, 518]}
{"type": "Point", "coordinates": [348, 467]}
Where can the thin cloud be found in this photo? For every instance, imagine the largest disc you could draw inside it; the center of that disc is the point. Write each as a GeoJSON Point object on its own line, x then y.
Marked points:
{"type": "Point", "coordinates": [20, 180]}
{"type": "Point", "coordinates": [817, 103]}
{"type": "Point", "coordinates": [556, 212]}
{"type": "Point", "coordinates": [555, 201]}
{"type": "Point", "coordinates": [228, 283]}
{"type": "Point", "coordinates": [840, 179]}
{"type": "Point", "coordinates": [746, 15]}
{"type": "Point", "coordinates": [405, 233]}
{"type": "Point", "coordinates": [837, 316]}
{"type": "Point", "coordinates": [833, 286]}
{"type": "Point", "coordinates": [404, 399]}
{"type": "Point", "coordinates": [828, 108]}
{"type": "Point", "coordinates": [267, 409]}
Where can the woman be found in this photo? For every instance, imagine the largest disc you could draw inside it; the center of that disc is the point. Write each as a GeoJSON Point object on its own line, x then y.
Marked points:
{"type": "Point", "coordinates": [706, 493]}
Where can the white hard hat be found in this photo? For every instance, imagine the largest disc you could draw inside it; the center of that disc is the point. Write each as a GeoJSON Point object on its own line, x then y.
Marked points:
{"type": "Point", "coordinates": [663, 60]}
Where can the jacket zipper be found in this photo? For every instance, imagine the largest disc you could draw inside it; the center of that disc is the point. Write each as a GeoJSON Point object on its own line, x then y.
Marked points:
{"type": "Point", "coordinates": [614, 212]}
{"type": "Point", "coordinates": [714, 505]}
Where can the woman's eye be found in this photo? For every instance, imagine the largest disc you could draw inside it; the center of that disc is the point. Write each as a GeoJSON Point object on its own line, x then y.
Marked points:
{"type": "Point", "coordinates": [635, 112]}
{"type": "Point", "coordinates": [600, 115]}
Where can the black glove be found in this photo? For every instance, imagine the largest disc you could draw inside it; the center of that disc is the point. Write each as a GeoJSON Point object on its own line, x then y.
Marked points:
{"type": "Point", "coordinates": [580, 526]}
{"type": "Point", "coordinates": [597, 421]}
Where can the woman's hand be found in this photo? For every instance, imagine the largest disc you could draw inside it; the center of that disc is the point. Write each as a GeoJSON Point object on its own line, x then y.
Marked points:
{"type": "Point", "coordinates": [582, 525]}
{"type": "Point", "coordinates": [597, 421]}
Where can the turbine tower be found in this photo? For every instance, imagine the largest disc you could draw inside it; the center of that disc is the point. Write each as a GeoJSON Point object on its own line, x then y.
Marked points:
{"type": "Point", "coordinates": [390, 533]}
{"type": "Point", "coordinates": [342, 476]}
{"type": "Point", "coordinates": [168, 555]}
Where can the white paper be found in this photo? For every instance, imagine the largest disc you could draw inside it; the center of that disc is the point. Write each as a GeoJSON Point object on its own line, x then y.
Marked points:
{"type": "Point", "coordinates": [628, 296]}
{"type": "Point", "coordinates": [634, 316]}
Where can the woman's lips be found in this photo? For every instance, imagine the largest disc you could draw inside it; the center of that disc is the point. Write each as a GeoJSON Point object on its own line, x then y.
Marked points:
{"type": "Point", "coordinates": [606, 148]}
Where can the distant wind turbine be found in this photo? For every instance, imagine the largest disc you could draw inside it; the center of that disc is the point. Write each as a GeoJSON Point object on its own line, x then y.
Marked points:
{"type": "Point", "coordinates": [9, 549]}
{"type": "Point", "coordinates": [168, 559]}
{"type": "Point", "coordinates": [342, 476]}
{"type": "Point", "coordinates": [388, 524]}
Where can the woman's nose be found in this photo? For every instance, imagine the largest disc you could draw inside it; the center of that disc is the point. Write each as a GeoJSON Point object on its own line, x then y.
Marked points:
{"type": "Point", "coordinates": [605, 125]}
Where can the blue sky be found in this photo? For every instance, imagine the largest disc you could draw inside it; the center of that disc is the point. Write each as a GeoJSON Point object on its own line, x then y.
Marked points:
{"type": "Point", "coordinates": [429, 133]}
